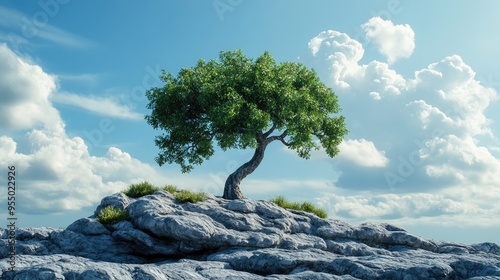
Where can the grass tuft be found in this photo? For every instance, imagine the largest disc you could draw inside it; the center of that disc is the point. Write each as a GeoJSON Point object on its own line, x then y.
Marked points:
{"type": "Point", "coordinates": [111, 215]}
{"type": "Point", "coordinates": [187, 196]}
{"type": "Point", "coordinates": [304, 206]}
{"type": "Point", "coordinates": [141, 189]}
{"type": "Point", "coordinates": [145, 188]}
{"type": "Point", "coordinates": [170, 188]}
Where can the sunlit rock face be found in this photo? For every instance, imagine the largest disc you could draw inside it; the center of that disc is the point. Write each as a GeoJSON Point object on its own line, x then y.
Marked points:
{"type": "Point", "coordinates": [235, 239]}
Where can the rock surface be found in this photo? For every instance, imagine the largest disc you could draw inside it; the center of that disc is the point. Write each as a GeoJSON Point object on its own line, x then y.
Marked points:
{"type": "Point", "coordinates": [235, 239]}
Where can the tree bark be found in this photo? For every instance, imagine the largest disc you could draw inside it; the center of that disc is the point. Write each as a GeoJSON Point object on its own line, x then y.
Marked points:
{"type": "Point", "coordinates": [232, 186]}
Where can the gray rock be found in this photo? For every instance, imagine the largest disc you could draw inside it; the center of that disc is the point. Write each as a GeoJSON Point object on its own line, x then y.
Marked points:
{"type": "Point", "coordinates": [88, 226]}
{"type": "Point", "coordinates": [237, 239]}
{"type": "Point", "coordinates": [118, 201]}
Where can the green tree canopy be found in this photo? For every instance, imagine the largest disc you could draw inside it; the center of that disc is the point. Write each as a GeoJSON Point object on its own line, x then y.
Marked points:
{"type": "Point", "coordinates": [240, 103]}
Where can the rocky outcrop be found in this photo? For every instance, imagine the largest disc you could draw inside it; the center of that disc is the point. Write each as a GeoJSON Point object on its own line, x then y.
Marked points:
{"type": "Point", "coordinates": [235, 239]}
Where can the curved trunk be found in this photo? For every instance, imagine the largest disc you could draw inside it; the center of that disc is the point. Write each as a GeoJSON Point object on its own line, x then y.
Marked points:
{"type": "Point", "coordinates": [232, 186]}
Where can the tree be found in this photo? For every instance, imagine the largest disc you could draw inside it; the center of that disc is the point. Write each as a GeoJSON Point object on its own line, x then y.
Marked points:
{"type": "Point", "coordinates": [240, 103]}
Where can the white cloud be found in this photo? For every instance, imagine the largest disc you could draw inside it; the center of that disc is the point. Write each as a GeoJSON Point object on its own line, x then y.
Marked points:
{"type": "Point", "coordinates": [463, 160]}
{"type": "Point", "coordinates": [363, 153]}
{"type": "Point", "coordinates": [430, 117]}
{"type": "Point", "coordinates": [394, 206]}
{"type": "Point", "coordinates": [56, 172]}
{"type": "Point", "coordinates": [347, 48]}
{"type": "Point", "coordinates": [451, 84]}
{"type": "Point", "coordinates": [24, 93]}
{"type": "Point", "coordinates": [449, 73]}
{"type": "Point", "coordinates": [447, 207]}
{"type": "Point", "coordinates": [359, 152]}
{"type": "Point", "coordinates": [393, 41]}
{"type": "Point", "coordinates": [60, 175]}
{"type": "Point", "coordinates": [343, 52]}
{"type": "Point", "coordinates": [433, 128]}
{"type": "Point", "coordinates": [337, 57]}
{"type": "Point", "coordinates": [98, 105]}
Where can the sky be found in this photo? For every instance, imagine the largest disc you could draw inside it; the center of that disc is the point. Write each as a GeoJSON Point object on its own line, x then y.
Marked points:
{"type": "Point", "coordinates": [416, 80]}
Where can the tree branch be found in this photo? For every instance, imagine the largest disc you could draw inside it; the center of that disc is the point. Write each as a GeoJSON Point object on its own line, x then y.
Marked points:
{"type": "Point", "coordinates": [282, 138]}
{"type": "Point", "coordinates": [279, 137]}
{"type": "Point", "coordinates": [270, 130]}
{"type": "Point", "coordinates": [284, 134]}
{"type": "Point", "coordinates": [285, 142]}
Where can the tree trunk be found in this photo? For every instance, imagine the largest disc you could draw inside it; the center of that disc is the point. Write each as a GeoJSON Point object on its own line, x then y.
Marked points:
{"type": "Point", "coordinates": [232, 186]}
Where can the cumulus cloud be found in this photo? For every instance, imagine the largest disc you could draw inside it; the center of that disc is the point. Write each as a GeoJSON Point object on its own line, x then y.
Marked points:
{"type": "Point", "coordinates": [472, 164]}
{"type": "Point", "coordinates": [59, 174]}
{"type": "Point", "coordinates": [393, 41]}
{"type": "Point", "coordinates": [343, 54]}
{"type": "Point", "coordinates": [363, 153]}
{"type": "Point", "coordinates": [56, 172]}
{"type": "Point", "coordinates": [359, 152]}
{"type": "Point", "coordinates": [429, 132]}
{"type": "Point", "coordinates": [103, 106]}
{"type": "Point", "coordinates": [337, 59]}
{"type": "Point", "coordinates": [24, 93]}
{"type": "Point", "coordinates": [451, 85]}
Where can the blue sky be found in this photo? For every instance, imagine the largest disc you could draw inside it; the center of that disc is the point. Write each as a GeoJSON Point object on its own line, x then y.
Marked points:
{"type": "Point", "coordinates": [417, 81]}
